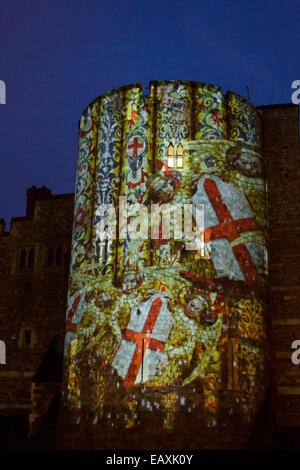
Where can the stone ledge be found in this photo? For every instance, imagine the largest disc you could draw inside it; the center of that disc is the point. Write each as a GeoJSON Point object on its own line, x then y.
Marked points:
{"type": "Point", "coordinates": [288, 390]}
{"type": "Point", "coordinates": [18, 406]}
{"type": "Point", "coordinates": [15, 373]}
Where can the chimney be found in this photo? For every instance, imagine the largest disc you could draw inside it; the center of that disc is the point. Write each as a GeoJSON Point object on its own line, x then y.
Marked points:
{"type": "Point", "coordinates": [2, 226]}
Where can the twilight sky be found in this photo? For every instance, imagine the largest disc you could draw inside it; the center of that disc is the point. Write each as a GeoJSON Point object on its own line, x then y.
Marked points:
{"type": "Point", "coordinates": [58, 55]}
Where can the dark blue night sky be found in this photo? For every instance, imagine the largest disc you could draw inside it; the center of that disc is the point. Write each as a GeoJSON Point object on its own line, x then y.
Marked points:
{"type": "Point", "coordinates": [58, 55]}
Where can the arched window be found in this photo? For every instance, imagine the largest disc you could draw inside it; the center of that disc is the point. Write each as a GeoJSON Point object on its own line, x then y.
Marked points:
{"type": "Point", "coordinates": [171, 155]}
{"type": "Point", "coordinates": [51, 256]}
{"type": "Point", "coordinates": [175, 151]}
{"type": "Point", "coordinates": [57, 257]}
{"type": "Point", "coordinates": [31, 258]}
{"type": "Point", "coordinates": [179, 156]}
{"type": "Point", "coordinates": [23, 259]}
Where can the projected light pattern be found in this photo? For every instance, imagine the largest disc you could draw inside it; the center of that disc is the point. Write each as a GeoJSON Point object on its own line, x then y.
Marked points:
{"type": "Point", "coordinates": [156, 332]}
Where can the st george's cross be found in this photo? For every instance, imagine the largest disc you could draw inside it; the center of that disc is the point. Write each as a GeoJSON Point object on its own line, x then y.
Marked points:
{"type": "Point", "coordinates": [228, 215]}
{"type": "Point", "coordinates": [143, 341]}
{"type": "Point", "coordinates": [135, 144]}
{"type": "Point", "coordinates": [136, 148]}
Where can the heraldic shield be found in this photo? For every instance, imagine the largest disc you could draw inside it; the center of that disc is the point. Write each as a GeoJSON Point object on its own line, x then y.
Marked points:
{"type": "Point", "coordinates": [141, 350]}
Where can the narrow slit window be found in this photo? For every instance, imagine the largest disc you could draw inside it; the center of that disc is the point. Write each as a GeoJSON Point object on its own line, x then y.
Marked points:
{"type": "Point", "coordinates": [27, 337]}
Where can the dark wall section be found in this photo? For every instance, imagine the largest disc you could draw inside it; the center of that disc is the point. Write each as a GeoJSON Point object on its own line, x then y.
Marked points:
{"type": "Point", "coordinates": [282, 157]}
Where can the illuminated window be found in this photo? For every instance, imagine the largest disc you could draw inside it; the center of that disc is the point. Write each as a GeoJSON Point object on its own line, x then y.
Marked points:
{"type": "Point", "coordinates": [179, 156]}
{"type": "Point", "coordinates": [171, 155]}
{"type": "Point", "coordinates": [172, 151]}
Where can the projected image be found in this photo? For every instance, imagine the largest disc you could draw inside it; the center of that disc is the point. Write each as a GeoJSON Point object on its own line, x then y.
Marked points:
{"type": "Point", "coordinates": [162, 326]}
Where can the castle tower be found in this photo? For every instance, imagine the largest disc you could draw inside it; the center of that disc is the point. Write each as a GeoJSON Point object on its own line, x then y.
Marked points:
{"type": "Point", "coordinates": [166, 338]}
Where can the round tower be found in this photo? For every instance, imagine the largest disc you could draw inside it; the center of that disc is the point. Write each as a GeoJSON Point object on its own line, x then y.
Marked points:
{"type": "Point", "coordinates": [166, 337]}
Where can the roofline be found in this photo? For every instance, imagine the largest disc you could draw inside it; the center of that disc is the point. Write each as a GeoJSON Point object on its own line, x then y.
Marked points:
{"type": "Point", "coordinates": [281, 105]}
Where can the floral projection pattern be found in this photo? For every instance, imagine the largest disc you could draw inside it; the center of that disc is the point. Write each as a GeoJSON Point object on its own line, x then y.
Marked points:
{"type": "Point", "coordinates": [157, 332]}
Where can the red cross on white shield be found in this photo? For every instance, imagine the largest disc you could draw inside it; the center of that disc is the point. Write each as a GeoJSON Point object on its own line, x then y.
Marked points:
{"type": "Point", "coordinates": [144, 340]}
{"type": "Point", "coordinates": [135, 146]}
{"type": "Point", "coordinates": [227, 216]}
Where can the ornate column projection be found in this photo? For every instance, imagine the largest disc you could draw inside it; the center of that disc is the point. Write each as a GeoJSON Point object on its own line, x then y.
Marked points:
{"type": "Point", "coordinates": [244, 124]}
{"type": "Point", "coordinates": [210, 112]}
{"type": "Point", "coordinates": [249, 318]}
{"type": "Point", "coordinates": [108, 170]}
{"type": "Point", "coordinates": [204, 150]}
{"type": "Point", "coordinates": [84, 202]}
{"type": "Point", "coordinates": [173, 114]}
{"type": "Point", "coordinates": [134, 243]}
{"type": "Point", "coordinates": [246, 163]}
{"type": "Point", "coordinates": [82, 242]}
